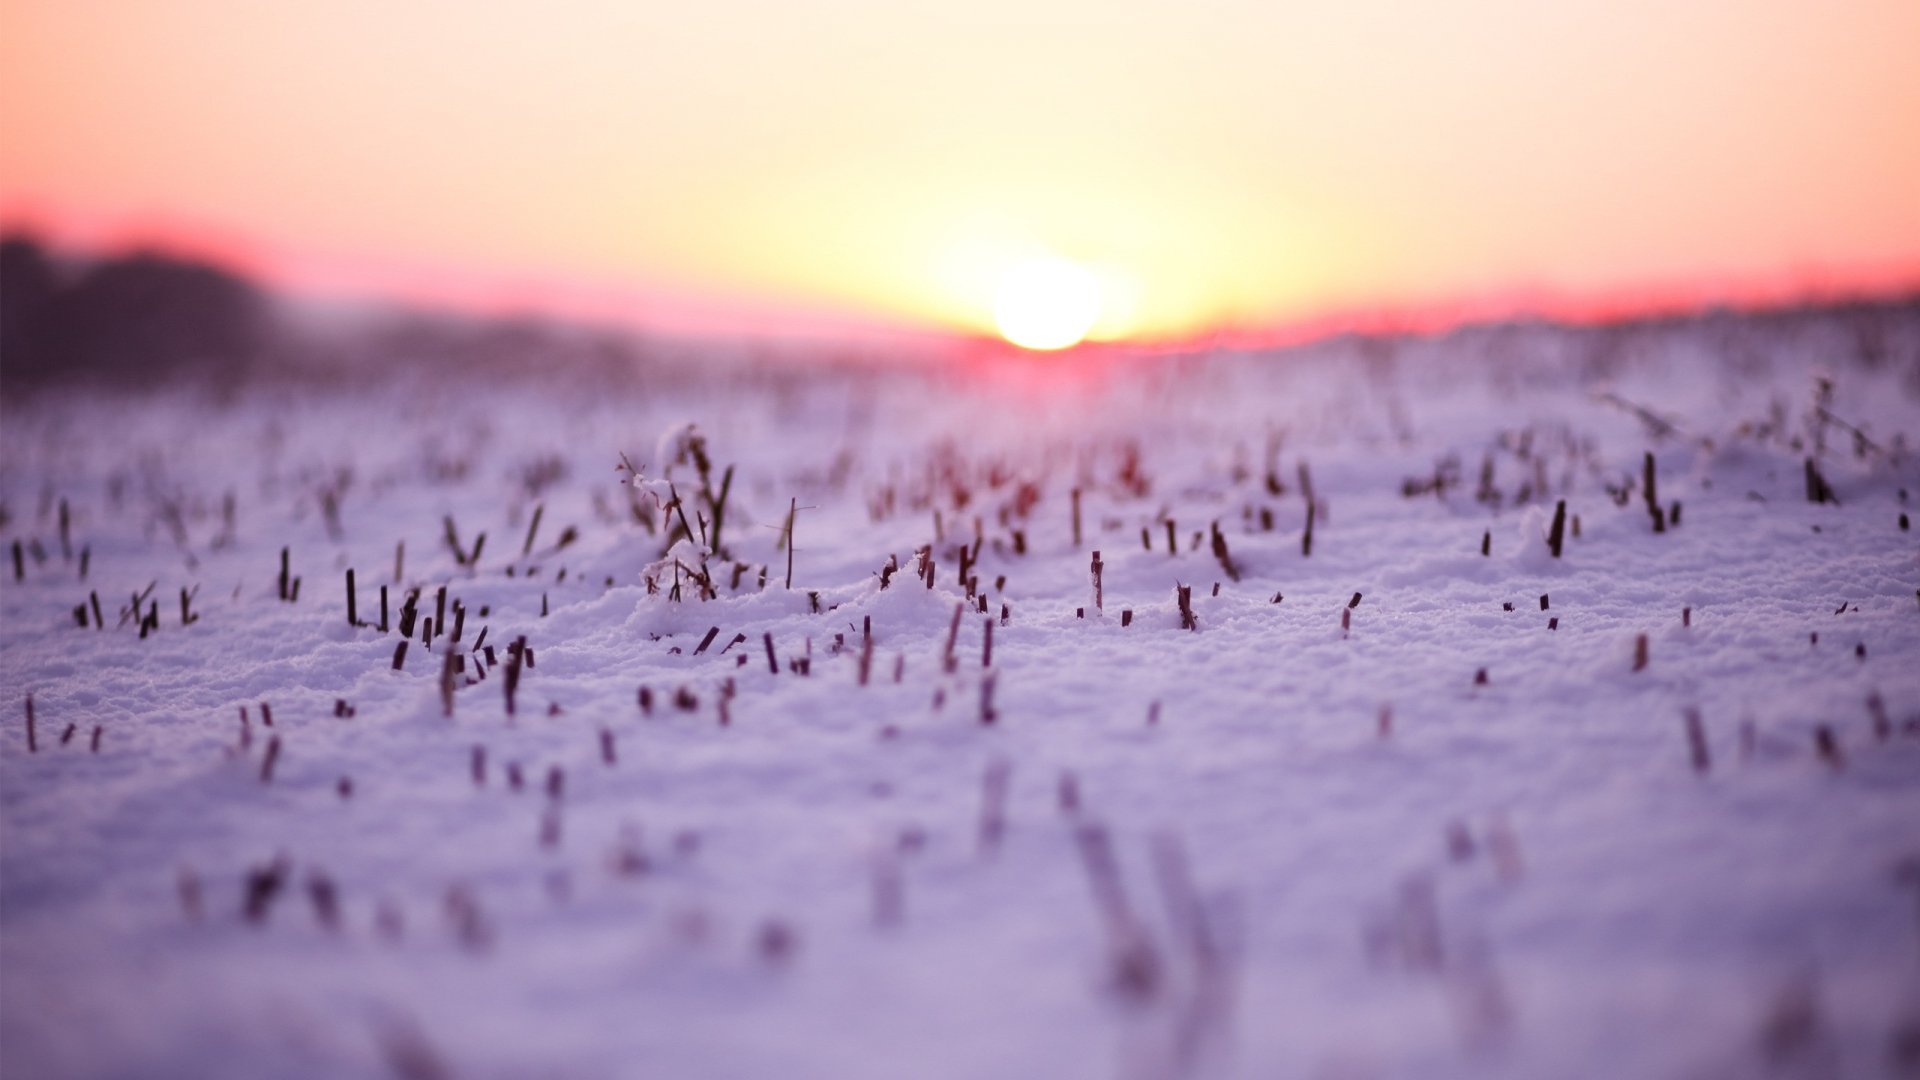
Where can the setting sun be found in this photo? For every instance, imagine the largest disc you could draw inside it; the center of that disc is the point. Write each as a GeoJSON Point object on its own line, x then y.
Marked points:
{"type": "Point", "coordinates": [1047, 304]}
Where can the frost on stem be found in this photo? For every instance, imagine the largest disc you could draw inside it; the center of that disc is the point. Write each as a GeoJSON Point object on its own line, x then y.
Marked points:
{"type": "Point", "coordinates": [686, 473]}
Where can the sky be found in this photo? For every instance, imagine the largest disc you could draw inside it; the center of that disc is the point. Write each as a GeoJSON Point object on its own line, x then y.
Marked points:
{"type": "Point", "coordinates": [1216, 164]}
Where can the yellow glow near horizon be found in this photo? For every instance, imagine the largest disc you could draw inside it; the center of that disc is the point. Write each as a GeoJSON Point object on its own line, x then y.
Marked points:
{"type": "Point", "coordinates": [1047, 304]}
{"type": "Point", "coordinates": [1213, 165]}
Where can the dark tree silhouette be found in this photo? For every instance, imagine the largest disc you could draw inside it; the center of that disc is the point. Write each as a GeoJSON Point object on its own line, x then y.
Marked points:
{"type": "Point", "coordinates": [137, 320]}
{"type": "Point", "coordinates": [27, 284]}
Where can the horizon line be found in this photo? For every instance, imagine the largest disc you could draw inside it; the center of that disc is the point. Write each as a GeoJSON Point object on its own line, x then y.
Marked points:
{"type": "Point", "coordinates": [371, 285]}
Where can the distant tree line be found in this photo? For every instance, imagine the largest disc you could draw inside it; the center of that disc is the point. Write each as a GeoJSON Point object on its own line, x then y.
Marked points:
{"type": "Point", "coordinates": [148, 319]}
{"type": "Point", "coordinates": [136, 320]}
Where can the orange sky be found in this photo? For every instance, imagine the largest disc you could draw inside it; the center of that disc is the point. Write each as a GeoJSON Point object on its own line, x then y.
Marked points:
{"type": "Point", "coordinates": [1222, 163]}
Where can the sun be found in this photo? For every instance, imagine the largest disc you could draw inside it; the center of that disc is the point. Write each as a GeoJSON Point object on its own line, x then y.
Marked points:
{"type": "Point", "coordinates": [1047, 304]}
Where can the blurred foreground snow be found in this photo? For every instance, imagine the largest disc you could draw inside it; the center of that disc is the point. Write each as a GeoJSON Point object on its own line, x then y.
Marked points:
{"type": "Point", "coordinates": [1394, 808]}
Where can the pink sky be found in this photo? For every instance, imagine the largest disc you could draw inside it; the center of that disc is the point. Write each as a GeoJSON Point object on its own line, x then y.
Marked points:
{"type": "Point", "coordinates": [1220, 164]}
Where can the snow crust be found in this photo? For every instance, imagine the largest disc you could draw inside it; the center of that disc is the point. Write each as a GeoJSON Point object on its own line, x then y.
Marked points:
{"type": "Point", "coordinates": [1273, 845]}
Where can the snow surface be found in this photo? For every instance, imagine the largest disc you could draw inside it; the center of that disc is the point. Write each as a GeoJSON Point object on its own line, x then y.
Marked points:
{"type": "Point", "coordinates": [1269, 846]}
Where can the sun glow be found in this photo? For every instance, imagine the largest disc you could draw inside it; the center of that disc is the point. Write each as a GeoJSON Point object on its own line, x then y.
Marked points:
{"type": "Point", "coordinates": [1047, 304]}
